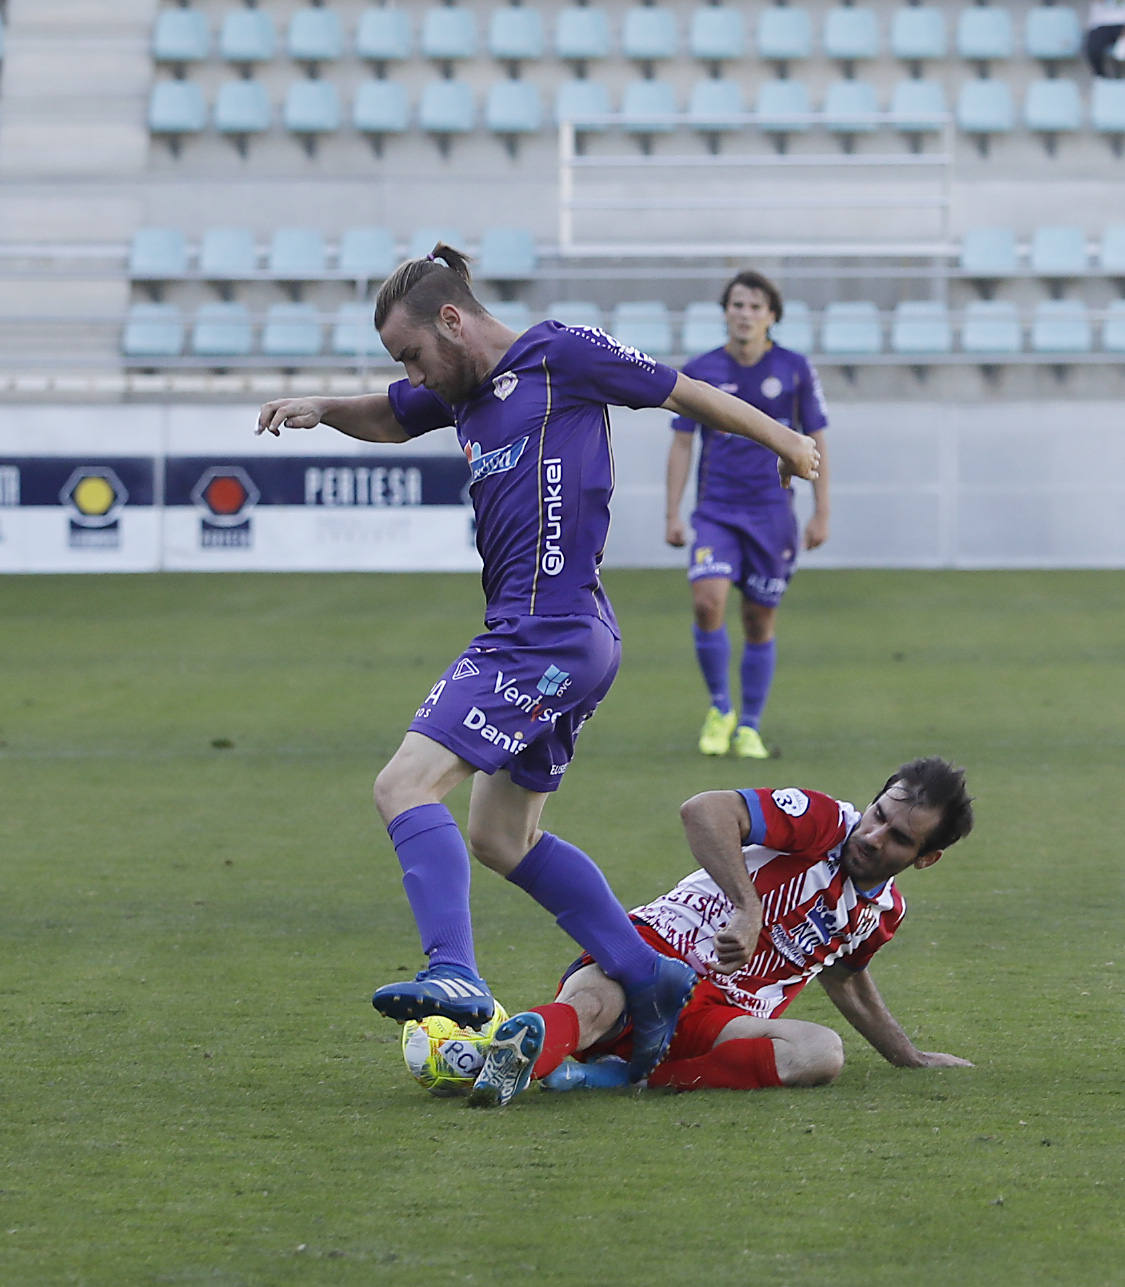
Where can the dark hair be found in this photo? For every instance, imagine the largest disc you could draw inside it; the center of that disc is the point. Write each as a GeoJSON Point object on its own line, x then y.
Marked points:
{"type": "Point", "coordinates": [934, 783]}
{"type": "Point", "coordinates": [423, 286]}
{"type": "Point", "coordinates": [755, 281]}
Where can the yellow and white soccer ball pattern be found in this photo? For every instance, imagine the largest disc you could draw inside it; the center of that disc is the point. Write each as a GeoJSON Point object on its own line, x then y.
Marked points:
{"type": "Point", "coordinates": [443, 1057]}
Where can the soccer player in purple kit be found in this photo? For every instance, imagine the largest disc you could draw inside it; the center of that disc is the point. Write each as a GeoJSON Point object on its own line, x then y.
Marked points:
{"type": "Point", "coordinates": [531, 413]}
{"type": "Point", "coordinates": [745, 525]}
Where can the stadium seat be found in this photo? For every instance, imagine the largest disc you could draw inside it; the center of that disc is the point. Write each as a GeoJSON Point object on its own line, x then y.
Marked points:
{"type": "Point", "coordinates": [575, 312]}
{"type": "Point", "coordinates": [315, 36]}
{"type": "Point", "coordinates": [920, 326]}
{"type": "Point", "coordinates": [849, 106]}
{"type": "Point", "coordinates": [176, 108]}
{"type": "Point", "coordinates": [851, 33]}
{"type": "Point", "coordinates": [989, 252]}
{"type": "Point", "coordinates": [648, 34]}
{"type": "Point", "coordinates": [227, 254]}
{"type": "Point", "coordinates": [717, 33]}
{"type": "Point", "coordinates": [919, 106]}
{"type": "Point", "coordinates": [180, 36]}
{"type": "Point", "coordinates": [984, 33]}
{"type": "Point", "coordinates": [424, 239]}
{"type": "Point", "coordinates": [242, 108]}
{"type": "Point", "coordinates": [784, 34]}
{"type": "Point", "coordinates": [222, 330]}
{"type": "Point", "coordinates": [247, 36]}
{"type": "Point", "coordinates": [1061, 326]}
{"type": "Point", "coordinates": [291, 330]}
{"type": "Point", "coordinates": [918, 33]}
{"type": "Point", "coordinates": [447, 107]}
{"type": "Point", "coordinates": [354, 334]}
{"type": "Point", "coordinates": [1113, 327]}
{"type": "Point", "coordinates": [158, 255]}
{"type": "Point", "coordinates": [515, 34]}
{"type": "Point", "coordinates": [643, 324]}
{"type": "Point", "coordinates": [449, 33]}
{"type": "Point", "coordinates": [580, 99]}
{"type": "Point", "coordinates": [713, 99]}
{"type": "Point", "coordinates": [582, 34]}
{"type": "Point", "coordinates": [644, 100]}
{"type": "Point", "coordinates": [513, 313]}
{"type": "Point", "coordinates": [1053, 33]}
{"type": "Point", "coordinates": [312, 108]}
{"type": "Point", "coordinates": [153, 331]}
{"type": "Point", "coordinates": [1111, 254]}
{"type": "Point", "coordinates": [384, 35]}
{"type": "Point", "coordinates": [297, 255]}
{"type": "Point", "coordinates": [380, 108]}
{"type": "Point", "coordinates": [512, 108]}
{"type": "Point", "coordinates": [795, 330]}
{"type": "Point", "coordinates": [1107, 109]}
{"type": "Point", "coordinates": [506, 255]}
{"type": "Point", "coordinates": [1058, 250]}
{"type": "Point", "coordinates": [366, 254]}
{"type": "Point", "coordinates": [704, 328]}
{"type": "Point", "coordinates": [1052, 107]}
{"type": "Point", "coordinates": [851, 328]}
{"type": "Point", "coordinates": [984, 108]}
{"type": "Point", "coordinates": [783, 106]}
{"type": "Point", "coordinates": [991, 326]}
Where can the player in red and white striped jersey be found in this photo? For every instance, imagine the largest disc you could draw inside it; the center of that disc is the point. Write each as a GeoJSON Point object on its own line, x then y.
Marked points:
{"type": "Point", "coordinates": [792, 885]}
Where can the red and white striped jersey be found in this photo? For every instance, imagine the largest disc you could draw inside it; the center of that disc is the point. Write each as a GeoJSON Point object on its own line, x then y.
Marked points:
{"type": "Point", "coordinates": [813, 915]}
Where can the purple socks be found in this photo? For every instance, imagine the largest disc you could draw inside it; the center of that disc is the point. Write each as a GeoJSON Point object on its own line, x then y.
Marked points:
{"type": "Point", "coordinates": [712, 651]}
{"type": "Point", "coordinates": [757, 676]}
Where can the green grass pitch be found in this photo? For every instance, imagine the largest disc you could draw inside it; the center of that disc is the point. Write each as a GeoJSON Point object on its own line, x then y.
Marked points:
{"type": "Point", "coordinates": [198, 901]}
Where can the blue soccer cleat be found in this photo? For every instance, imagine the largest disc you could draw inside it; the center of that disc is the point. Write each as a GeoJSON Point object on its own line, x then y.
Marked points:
{"type": "Point", "coordinates": [606, 1073]}
{"type": "Point", "coordinates": [510, 1060]}
{"type": "Point", "coordinates": [655, 1010]}
{"type": "Point", "coordinates": [442, 989]}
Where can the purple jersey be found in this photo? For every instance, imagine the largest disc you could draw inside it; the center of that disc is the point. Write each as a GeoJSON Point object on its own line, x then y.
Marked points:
{"type": "Point", "coordinates": [735, 473]}
{"type": "Point", "coordinates": [536, 435]}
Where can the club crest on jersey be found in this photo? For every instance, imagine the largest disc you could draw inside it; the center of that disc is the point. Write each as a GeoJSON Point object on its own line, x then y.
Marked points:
{"type": "Point", "coordinates": [729, 388]}
{"type": "Point", "coordinates": [504, 384]}
{"type": "Point", "coordinates": [484, 463]}
{"type": "Point", "coordinates": [791, 801]}
{"type": "Point", "coordinates": [771, 387]}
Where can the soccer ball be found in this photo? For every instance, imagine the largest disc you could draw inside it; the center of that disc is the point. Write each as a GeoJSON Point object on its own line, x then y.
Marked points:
{"type": "Point", "coordinates": [443, 1057]}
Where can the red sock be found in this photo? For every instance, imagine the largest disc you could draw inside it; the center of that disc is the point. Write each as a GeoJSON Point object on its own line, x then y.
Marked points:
{"type": "Point", "coordinates": [745, 1064]}
{"type": "Point", "coordinates": [562, 1035]}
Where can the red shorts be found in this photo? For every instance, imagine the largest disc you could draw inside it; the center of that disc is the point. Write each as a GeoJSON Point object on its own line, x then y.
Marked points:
{"type": "Point", "coordinates": [703, 1018]}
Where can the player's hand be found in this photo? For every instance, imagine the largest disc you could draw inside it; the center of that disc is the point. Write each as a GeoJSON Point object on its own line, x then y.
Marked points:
{"type": "Point", "coordinates": [801, 460]}
{"type": "Point", "coordinates": [675, 532]}
{"type": "Point", "coordinates": [292, 413]}
{"type": "Point", "coordinates": [816, 532]}
{"type": "Point", "coordinates": [935, 1059]}
{"type": "Point", "coordinates": [734, 943]}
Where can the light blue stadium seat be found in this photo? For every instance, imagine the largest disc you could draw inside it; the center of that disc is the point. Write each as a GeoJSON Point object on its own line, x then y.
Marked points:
{"type": "Point", "coordinates": [849, 106]}
{"type": "Point", "coordinates": [1111, 253]}
{"type": "Point", "coordinates": [291, 330]}
{"type": "Point", "coordinates": [354, 333]}
{"type": "Point", "coordinates": [795, 330]}
{"type": "Point", "coordinates": [784, 34]}
{"type": "Point", "coordinates": [242, 107]}
{"type": "Point", "coordinates": [367, 254]}
{"type": "Point", "coordinates": [511, 312]}
{"type": "Point", "coordinates": [312, 107]}
{"type": "Point", "coordinates": [222, 330]}
{"type": "Point", "coordinates": [985, 107]}
{"type": "Point", "coordinates": [704, 328]}
{"type": "Point", "coordinates": [1113, 328]}
{"type": "Point", "coordinates": [506, 254]}
{"type": "Point", "coordinates": [449, 33]}
{"type": "Point", "coordinates": [649, 34]}
{"type": "Point", "coordinates": [247, 36]}
{"type": "Point", "coordinates": [992, 327]}
{"type": "Point", "coordinates": [158, 254]}
{"type": "Point", "coordinates": [918, 105]}
{"type": "Point", "coordinates": [297, 255]}
{"type": "Point", "coordinates": [424, 239]}
{"type": "Point", "coordinates": [712, 99]}
{"type": "Point", "coordinates": [582, 33]}
{"type": "Point", "coordinates": [1052, 33]}
{"type": "Point", "coordinates": [851, 33]}
{"type": "Point", "coordinates": [717, 33]}
{"type": "Point", "coordinates": [381, 107]}
{"type": "Point", "coordinates": [921, 326]}
{"type": "Point", "coordinates": [315, 36]}
{"type": "Point", "coordinates": [851, 327]}
{"type": "Point", "coordinates": [1058, 250]}
{"type": "Point", "coordinates": [644, 100]}
{"type": "Point", "coordinates": [984, 33]}
{"type": "Point", "coordinates": [447, 107]}
{"type": "Point", "coordinates": [575, 312]}
{"type": "Point", "coordinates": [1061, 326]}
{"type": "Point", "coordinates": [1053, 107]}
{"type": "Point", "coordinates": [513, 107]}
{"type": "Point", "coordinates": [384, 35]}
{"type": "Point", "coordinates": [176, 108]}
{"type": "Point", "coordinates": [576, 99]}
{"type": "Point", "coordinates": [643, 324]}
{"type": "Point", "coordinates": [989, 252]}
{"type": "Point", "coordinates": [180, 36]}
{"type": "Point", "coordinates": [918, 33]}
{"type": "Point", "coordinates": [1107, 106]}
{"type": "Point", "coordinates": [782, 105]}
{"type": "Point", "coordinates": [515, 34]}
{"type": "Point", "coordinates": [227, 254]}
{"type": "Point", "coordinates": [153, 331]}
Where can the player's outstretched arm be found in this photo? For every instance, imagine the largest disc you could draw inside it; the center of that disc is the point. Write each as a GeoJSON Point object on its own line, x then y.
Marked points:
{"type": "Point", "coordinates": [707, 405]}
{"type": "Point", "coordinates": [854, 994]}
{"type": "Point", "coordinates": [368, 416]}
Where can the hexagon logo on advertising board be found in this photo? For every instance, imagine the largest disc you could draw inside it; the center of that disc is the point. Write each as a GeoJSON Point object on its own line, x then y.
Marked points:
{"type": "Point", "coordinates": [225, 495]}
{"type": "Point", "coordinates": [94, 497]}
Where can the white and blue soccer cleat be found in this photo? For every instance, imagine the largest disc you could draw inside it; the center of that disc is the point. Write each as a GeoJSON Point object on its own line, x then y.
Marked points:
{"type": "Point", "coordinates": [607, 1073]}
{"type": "Point", "coordinates": [442, 989]}
{"type": "Point", "coordinates": [509, 1061]}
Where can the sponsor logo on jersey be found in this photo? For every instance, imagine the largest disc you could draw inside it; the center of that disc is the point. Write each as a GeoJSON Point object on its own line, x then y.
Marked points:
{"type": "Point", "coordinates": [464, 669]}
{"type": "Point", "coordinates": [531, 703]}
{"type": "Point", "coordinates": [771, 387]}
{"type": "Point", "coordinates": [484, 464]}
{"type": "Point", "coordinates": [791, 801]}
{"type": "Point", "coordinates": [553, 681]}
{"type": "Point", "coordinates": [602, 340]}
{"type": "Point", "coordinates": [423, 711]}
{"type": "Point", "coordinates": [504, 384]}
{"type": "Point", "coordinates": [477, 722]}
{"type": "Point", "coordinates": [552, 560]}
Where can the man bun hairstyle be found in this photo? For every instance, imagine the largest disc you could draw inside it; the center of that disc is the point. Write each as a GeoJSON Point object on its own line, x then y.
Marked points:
{"type": "Point", "coordinates": [934, 783]}
{"type": "Point", "coordinates": [754, 281]}
{"type": "Point", "coordinates": [423, 286]}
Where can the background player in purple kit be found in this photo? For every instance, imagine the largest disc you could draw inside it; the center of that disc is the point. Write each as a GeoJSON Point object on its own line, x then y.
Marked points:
{"type": "Point", "coordinates": [531, 415]}
{"type": "Point", "coordinates": [745, 526]}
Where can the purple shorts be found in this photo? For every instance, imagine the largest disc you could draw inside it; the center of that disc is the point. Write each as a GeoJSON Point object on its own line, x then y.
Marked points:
{"type": "Point", "coordinates": [517, 697]}
{"type": "Point", "coordinates": [757, 552]}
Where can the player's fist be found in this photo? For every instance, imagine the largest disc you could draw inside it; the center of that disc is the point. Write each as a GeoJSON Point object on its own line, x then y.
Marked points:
{"type": "Point", "coordinates": [292, 413]}
{"type": "Point", "coordinates": [675, 532]}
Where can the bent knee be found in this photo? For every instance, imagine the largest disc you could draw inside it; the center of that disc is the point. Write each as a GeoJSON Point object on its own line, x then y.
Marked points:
{"type": "Point", "coordinates": [815, 1060]}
